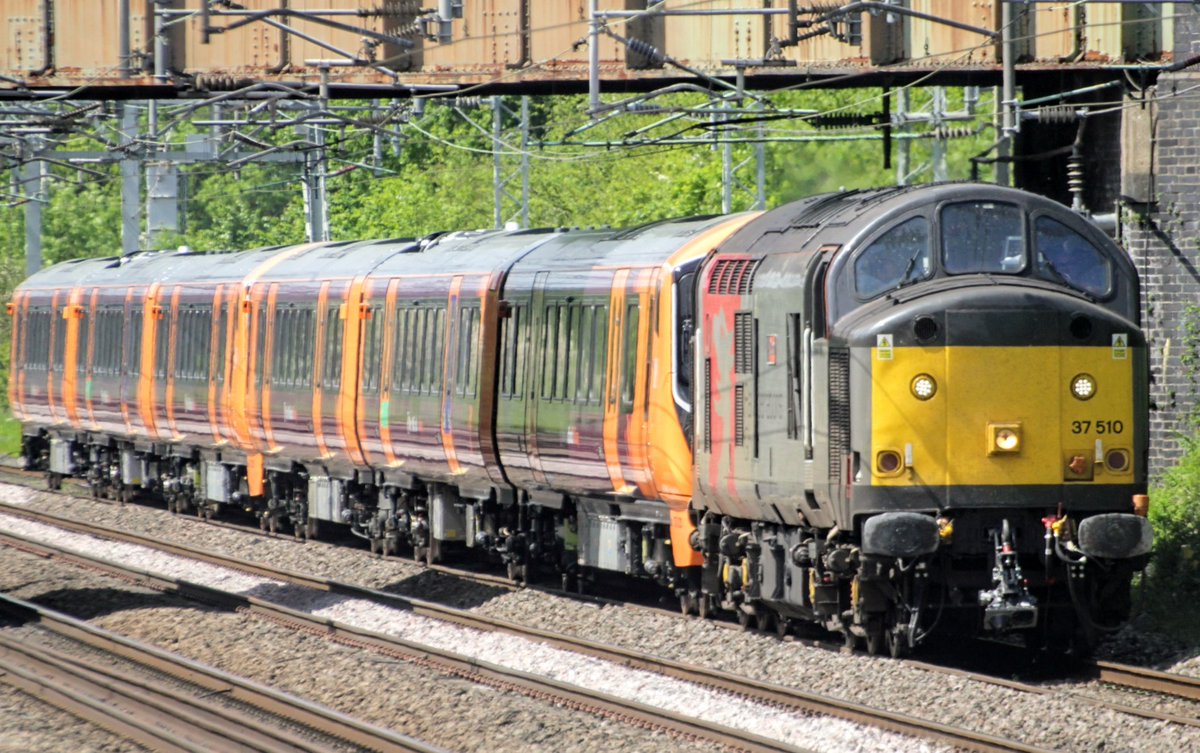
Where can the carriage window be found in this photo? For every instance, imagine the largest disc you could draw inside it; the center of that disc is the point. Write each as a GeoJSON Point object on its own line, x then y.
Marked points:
{"type": "Point", "coordinates": [1066, 256]}
{"type": "Point", "coordinates": [373, 351]}
{"type": "Point", "coordinates": [584, 325]}
{"type": "Point", "coordinates": [983, 236]}
{"type": "Point", "coordinates": [331, 374]}
{"type": "Point", "coordinates": [549, 345]}
{"type": "Point", "coordinates": [513, 358]}
{"type": "Point", "coordinates": [133, 348]}
{"type": "Point", "coordinates": [60, 338]}
{"type": "Point", "coordinates": [222, 338]}
{"type": "Point", "coordinates": [628, 380]}
{"type": "Point", "coordinates": [81, 358]}
{"type": "Point", "coordinates": [37, 340]}
{"type": "Point", "coordinates": [899, 256]}
{"type": "Point", "coordinates": [563, 366]}
{"type": "Point", "coordinates": [600, 362]}
{"type": "Point", "coordinates": [467, 364]}
{"type": "Point", "coordinates": [307, 343]}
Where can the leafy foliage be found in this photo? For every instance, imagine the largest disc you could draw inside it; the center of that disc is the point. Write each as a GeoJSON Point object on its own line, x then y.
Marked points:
{"type": "Point", "coordinates": [1174, 574]}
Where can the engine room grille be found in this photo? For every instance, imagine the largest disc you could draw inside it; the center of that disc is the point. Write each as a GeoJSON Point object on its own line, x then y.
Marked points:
{"type": "Point", "coordinates": [739, 415]}
{"type": "Point", "coordinates": [743, 343]}
{"type": "Point", "coordinates": [839, 413]}
{"type": "Point", "coordinates": [708, 405]}
{"type": "Point", "coordinates": [733, 276]}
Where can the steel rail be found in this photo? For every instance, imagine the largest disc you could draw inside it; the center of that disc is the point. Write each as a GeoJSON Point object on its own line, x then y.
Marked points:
{"type": "Point", "coordinates": [169, 718]}
{"type": "Point", "coordinates": [1141, 678]}
{"type": "Point", "coordinates": [789, 698]}
{"type": "Point", "coordinates": [156, 715]}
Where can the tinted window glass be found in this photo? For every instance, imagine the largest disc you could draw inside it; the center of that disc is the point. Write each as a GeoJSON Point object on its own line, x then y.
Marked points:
{"type": "Point", "coordinates": [900, 255]}
{"type": "Point", "coordinates": [1066, 256]}
{"type": "Point", "coordinates": [983, 236]}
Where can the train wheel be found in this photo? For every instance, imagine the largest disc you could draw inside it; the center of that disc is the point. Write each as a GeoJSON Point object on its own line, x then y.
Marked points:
{"type": "Point", "coordinates": [783, 626]}
{"type": "Point", "coordinates": [875, 637]}
{"type": "Point", "coordinates": [897, 644]}
{"type": "Point", "coordinates": [765, 621]}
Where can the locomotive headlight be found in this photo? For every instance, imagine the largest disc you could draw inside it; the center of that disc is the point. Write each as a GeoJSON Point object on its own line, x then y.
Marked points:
{"type": "Point", "coordinates": [923, 387]}
{"type": "Point", "coordinates": [1004, 439]}
{"type": "Point", "coordinates": [1083, 387]}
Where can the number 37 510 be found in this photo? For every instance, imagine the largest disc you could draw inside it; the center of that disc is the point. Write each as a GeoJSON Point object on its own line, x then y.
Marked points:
{"type": "Point", "coordinates": [1100, 427]}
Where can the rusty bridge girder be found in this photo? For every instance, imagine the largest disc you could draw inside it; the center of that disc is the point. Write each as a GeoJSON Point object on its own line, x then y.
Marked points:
{"type": "Point", "coordinates": [104, 49]}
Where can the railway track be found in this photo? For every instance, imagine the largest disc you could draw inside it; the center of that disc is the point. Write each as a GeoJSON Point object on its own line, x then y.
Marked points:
{"type": "Point", "coordinates": [1121, 676]}
{"type": "Point", "coordinates": [99, 685]}
{"type": "Point", "coordinates": [793, 700]}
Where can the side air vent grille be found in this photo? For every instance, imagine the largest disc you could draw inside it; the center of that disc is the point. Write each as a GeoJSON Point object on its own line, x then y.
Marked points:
{"type": "Point", "coordinates": [743, 343]}
{"type": "Point", "coordinates": [839, 413]}
{"type": "Point", "coordinates": [733, 276]}
{"type": "Point", "coordinates": [708, 405]}
{"type": "Point", "coordinates": [739, 415]}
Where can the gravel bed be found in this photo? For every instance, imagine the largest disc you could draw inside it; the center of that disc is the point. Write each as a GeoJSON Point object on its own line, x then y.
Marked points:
{"type": "Point", "coordinates": [516, 653]}
{"type": "Point", "coordinates": [419, 701]}
{"type": "Point", "coordinates": [1056, 721]}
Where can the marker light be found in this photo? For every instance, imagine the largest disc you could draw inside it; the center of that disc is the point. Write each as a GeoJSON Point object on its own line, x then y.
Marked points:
{"type": "Point", "coordinates": [887, 462]}
{"type": "Point", "coordinates": [1083, 387]}
{"type": "Point", "coordinates": [1007, 440]}
{"type": "Point", "coordinates": [1004, 439]}
{"type": "Point", "coordinates": [1117, 460]}
{"type": "Point", "coordinates": [923, 387]}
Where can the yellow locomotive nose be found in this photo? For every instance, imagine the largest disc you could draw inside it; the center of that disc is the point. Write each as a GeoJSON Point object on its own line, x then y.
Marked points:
{"type": "Point", "coordinates": [1065, 417]}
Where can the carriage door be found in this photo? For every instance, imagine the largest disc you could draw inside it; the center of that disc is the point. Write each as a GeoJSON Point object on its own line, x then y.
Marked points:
{"type": "Point", "coordinates": [534, 370]}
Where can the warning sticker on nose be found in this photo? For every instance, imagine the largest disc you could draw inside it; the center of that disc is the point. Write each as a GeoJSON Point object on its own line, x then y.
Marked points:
{"type": "Point", "coordinates": [1120, 346]}
{"type": "Point", "coordinates": [883, 347]}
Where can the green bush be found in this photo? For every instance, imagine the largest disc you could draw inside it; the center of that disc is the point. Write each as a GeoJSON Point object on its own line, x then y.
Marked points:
{"type": "Point", "coordinates": [1173, 584]}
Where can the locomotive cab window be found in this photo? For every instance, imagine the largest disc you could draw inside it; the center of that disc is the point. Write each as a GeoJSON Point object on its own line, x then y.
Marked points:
{"type": "Point", "coordinates": [1065, 256]}
{"type": "Point", "coordinates": [983, 236]}
{"type": "Point", "coordinates": [899, 256]}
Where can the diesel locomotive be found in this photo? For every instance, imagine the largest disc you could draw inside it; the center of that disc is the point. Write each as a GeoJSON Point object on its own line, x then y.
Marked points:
{"type": "Point", "coordinates": [889, 412]}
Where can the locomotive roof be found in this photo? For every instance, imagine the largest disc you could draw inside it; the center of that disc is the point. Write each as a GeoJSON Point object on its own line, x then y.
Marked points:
{"type": "Point", "coordinates": [839, 218]}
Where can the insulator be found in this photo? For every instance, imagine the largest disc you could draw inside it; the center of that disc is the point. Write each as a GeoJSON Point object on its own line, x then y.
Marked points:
{"type": "Point", "coordinates": [1075, 175]}
{"type": "Point", "coordinates": [1061, 114]}
{"type": "Point", "coordinates": [843, 120]}
{"type": "Point", "coordinates": [468, 103]}
{"type": "Point", "coordinates": [220, 83]}
{"type": "Point", "coordinates": [952, 132]}
{"type": "Point", "coordinates": [647, 50]}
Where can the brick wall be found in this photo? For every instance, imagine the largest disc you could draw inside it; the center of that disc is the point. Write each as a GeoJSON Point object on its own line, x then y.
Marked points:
{"type": "Point", "coordinates": [1164, 240]}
